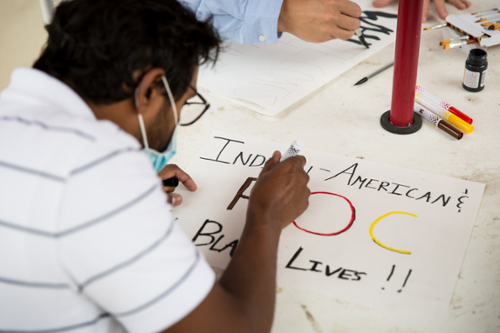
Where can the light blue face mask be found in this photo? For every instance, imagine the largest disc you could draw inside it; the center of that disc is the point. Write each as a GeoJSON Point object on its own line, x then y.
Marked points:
{"type": "Point", "coordinates": [160, 160]}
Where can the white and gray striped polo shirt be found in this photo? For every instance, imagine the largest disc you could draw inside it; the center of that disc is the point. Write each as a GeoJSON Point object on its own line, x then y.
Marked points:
{"type": "Point", "coordinates": [87, 240]}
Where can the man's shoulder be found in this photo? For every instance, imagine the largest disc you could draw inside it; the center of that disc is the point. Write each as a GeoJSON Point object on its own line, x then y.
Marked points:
{"type": "Point", "coordinates": [60, 142]}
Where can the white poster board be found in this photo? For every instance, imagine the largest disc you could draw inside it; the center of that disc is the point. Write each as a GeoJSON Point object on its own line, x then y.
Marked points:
{"type": "Point", "coordinates": [373, 234]}
{"type": "Point", "coordinates": [269, 78]}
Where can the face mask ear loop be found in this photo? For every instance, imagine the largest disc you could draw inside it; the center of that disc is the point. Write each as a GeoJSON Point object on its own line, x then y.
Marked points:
{"type": "Point", "coordinates": [141, 121]}
{"type": "Point", "coordinates": [171, 98]}
{"type": "Point", "coordinates": [136, 97]}
{"type": "Point", "coordinates": [143, 131]}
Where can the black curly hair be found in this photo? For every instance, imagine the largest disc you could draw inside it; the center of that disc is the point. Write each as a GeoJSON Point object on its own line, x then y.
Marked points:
{"type": "Point", "coordinates": [96, 45]}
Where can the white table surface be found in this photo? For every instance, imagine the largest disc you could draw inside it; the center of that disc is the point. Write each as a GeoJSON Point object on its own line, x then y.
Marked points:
{"type": "Point", "coordinates": [345, 120]}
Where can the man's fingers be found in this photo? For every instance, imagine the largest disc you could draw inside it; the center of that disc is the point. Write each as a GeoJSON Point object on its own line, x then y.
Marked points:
{"type": "Point", "coordinates": [172, 170]}
{"type": "Point", "coordinates": [425, 11]}
{"type": "Point", "coordinates": [271, 163]}
{"type": "Point", "coordinates": [460, 4]}
{"type": "Point", "coordinates": [186, 180]}
{"type": "Point", "coordinates": [349, 24]}
{"type": "Point", "coordinates": [168, 189]}
{"type": "Point", "coordinates": [441, 9]}
{"type": "Point", "coordinates": [299, 159]}
{"type": "Point", "coordinates": [342, 34]}
{"type": "Point", "coordinates": [381, 3]}
{"type": "Point", "coordinates": [174, 199]}
{"type": "Point", "coordinates": [351, 9]}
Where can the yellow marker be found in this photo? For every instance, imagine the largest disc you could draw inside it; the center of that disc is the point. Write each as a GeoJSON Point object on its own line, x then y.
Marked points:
{"type": "Point", "coordinates": [378, 242]}
{"type": "Point", "coordinates": [443, 113]}
{"type": "Point", "coordinates": [461, 124]}
{"type": "Point", "coordinates": [487, 24]}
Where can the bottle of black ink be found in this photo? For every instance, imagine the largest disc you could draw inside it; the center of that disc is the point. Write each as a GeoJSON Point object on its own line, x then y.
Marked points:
{"type": "Point", "coordinates": [475, 70]}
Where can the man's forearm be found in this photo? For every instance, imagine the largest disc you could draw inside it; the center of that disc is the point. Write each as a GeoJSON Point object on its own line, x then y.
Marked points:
{"type": "Point", "coordinates": [251, 275]}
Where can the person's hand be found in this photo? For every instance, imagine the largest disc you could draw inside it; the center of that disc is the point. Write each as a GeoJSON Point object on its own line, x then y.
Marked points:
{"type": "Point", "coordinates": [319, 21]}
{"type": "Point", "coordinates": [172, 170]}
{"type": "Point", "coordinates": [440, 7]}
{"type": "Point", "coordinates": [280, 193]}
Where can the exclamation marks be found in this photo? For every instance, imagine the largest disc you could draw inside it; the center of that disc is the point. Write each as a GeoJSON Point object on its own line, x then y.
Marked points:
{"type": "Point", "coordinates": [392, 271]}
{"type": "Point", "coordinates": [404, 283]}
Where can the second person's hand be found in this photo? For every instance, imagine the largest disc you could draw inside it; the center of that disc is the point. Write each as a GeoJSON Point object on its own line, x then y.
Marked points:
{"type": "Point", "coordinates": [319, 21]}
{"type": "Point", "coordinates": [440, 6]}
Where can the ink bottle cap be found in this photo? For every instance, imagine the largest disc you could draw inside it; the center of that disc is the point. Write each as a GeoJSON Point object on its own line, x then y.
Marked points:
{"type": "Point", "coordinates": [476, 66]}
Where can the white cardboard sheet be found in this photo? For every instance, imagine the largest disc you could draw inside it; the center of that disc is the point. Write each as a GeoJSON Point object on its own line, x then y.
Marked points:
{"type": "Point", "coordinates": [269, 78]}
{"type": "Point", "coordinates": [349, 197]}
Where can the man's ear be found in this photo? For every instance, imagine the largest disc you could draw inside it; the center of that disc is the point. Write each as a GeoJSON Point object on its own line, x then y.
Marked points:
{"type": "Point", "coordinates": [147, 88]}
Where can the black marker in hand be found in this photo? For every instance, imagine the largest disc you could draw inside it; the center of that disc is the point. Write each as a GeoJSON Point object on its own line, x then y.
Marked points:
{"type": "Point", "coordinates": [170, 182]}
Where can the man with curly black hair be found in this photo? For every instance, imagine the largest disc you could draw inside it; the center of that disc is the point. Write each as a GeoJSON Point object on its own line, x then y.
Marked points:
{"type": "Point", "coordinates": [87, 237]}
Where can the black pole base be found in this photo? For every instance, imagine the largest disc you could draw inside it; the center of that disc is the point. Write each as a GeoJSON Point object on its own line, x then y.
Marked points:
{"type": "Point", "coordinates": [385, 122]}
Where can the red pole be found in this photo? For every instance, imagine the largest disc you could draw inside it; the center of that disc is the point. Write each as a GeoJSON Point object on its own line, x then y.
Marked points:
{"type": "Point", "coordinates": [406, 61]}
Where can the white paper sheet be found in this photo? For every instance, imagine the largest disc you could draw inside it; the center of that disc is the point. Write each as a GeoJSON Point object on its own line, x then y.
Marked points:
{"type": "Point", "coordinates": [270, 78]}
{"type": "Point", "coordinates": [349, 196]}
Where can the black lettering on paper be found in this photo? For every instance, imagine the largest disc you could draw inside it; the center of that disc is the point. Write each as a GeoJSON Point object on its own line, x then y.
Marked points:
{"type": "Point", "coordinates": [328, 273]}
{"type": "Point", "coordinates": [443, 198]}
{"type": "Point", "coordinates": [361, 180]}
{"type": "Point", "coordinates": [383, 186]}
{"type": "Point", "coordinates": [353, 167]}
{"type": "Point", "coordinates": [220, 152]}
{"type": "Point", "coordinates": [289, 265]}
{"type": "Point", "coordinates": [367, 184]}
{"type": "Point", "coordinates": [427, 197]}
{"type": "Point", "coordinates": [240, 156]}
{"type": "Point", "coordinates": [315, 264]}
{"type": "Point", "coordinates": [397, 186]}
{"type": "Point", "coordinates": [344, 275]}
{"type": "Point", "coordinates": [262, 161]}
{"type": "Point", "coordinates": [208, 234]}
{"type": "Point", "coordinates": [232, 245]}
{"type": "Point", "coordinates": [409, 191]}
